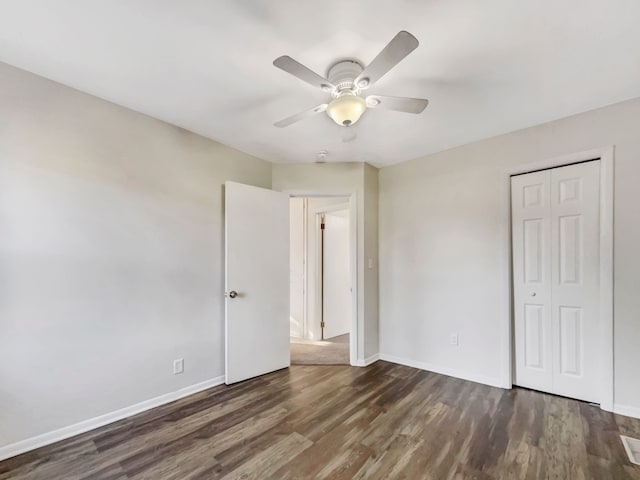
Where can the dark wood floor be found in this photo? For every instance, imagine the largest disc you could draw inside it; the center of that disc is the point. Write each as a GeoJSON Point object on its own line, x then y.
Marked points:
{"type": "Point", "coordinates": [383, 421]}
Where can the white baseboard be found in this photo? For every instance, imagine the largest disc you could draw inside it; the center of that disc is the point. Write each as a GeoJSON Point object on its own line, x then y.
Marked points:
{"type": "Point", "coordinates": [626, 410]}
{"type": "Point", "coordinates": [367, 361]}
{"type": "Point", "coordinates": [54, 436]}
{"type": "Point", "coordinates": [472, 377]}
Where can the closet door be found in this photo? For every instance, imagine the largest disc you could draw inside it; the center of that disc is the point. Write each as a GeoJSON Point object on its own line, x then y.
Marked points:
{"type": "Point", "coordinates": [575, 257]}
{"type": "Point", "coordinates": [556, 247]}
{"type": "Point", "coordinates": [531, 227]}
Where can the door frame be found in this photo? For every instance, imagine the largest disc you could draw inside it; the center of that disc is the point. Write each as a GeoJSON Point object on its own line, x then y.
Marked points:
{"type": "Point", "coordinates": [353, 260]}
{"type": "Point", "coordinates": [606, 157]}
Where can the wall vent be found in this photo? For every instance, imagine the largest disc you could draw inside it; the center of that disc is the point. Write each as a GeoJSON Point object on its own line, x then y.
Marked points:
{"type": "Point", "coordinates": [632, 446]}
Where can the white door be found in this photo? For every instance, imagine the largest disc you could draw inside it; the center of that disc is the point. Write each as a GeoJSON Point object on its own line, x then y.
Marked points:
{"type": "Point", "coordinates": [575, 257]}
{"type": "Point", "coordinates": [337, 276]}
{"type": "Point", "coordinates": [556, 279]}
{"type": "Point", "coordinates": [256, 280]}
{"type": "Point", "coordinates": [531, 227]}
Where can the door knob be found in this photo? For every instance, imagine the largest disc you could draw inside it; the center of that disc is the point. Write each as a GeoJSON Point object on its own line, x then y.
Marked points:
{"type": "Point", "coordinates": [533, 294]}
{"type": "Point", "coordinates": [232, 294]}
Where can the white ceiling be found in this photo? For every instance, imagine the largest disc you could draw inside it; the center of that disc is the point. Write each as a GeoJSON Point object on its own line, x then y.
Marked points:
{"type": "Point", "coordinates": [487, 67]}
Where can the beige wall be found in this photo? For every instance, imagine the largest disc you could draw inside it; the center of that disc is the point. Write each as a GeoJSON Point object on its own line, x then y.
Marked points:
{"type": "Point", "coordinates": [443, 238]}
{"type": "Point", "coordinates": [111, 258]}
{"type": "Point", "coordinates": [341, 179]}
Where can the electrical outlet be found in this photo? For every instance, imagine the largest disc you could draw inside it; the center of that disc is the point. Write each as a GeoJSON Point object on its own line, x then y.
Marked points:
{"type": "Point", "coordinates": [454, 339]}
{"type": "Point", "coordinates": [178, 366]}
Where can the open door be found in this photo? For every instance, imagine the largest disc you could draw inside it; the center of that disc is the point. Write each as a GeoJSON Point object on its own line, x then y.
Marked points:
{"type": "Point", "coordinates": [256, 281]}
{"type": "Point", "coordinates": [336, 274]}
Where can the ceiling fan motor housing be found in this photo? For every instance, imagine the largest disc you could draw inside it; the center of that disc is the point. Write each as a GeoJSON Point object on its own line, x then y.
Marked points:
{"type": "Point", "coordinates": [342, 75]}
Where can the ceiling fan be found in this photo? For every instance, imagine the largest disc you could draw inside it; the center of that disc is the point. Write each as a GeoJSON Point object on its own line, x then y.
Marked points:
{"type": "Point", "coordinates": [348, 80]}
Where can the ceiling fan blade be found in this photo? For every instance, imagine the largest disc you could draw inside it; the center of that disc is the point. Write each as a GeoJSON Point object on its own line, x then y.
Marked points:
{"type": "Point", "coordinates": [301, 116]}
{"type": "Point", "coordinates": [399, 104]}
{"type": "Point", "coordinates": [399, 47]}
{"type": "Point", "coordinates": [296, 69]}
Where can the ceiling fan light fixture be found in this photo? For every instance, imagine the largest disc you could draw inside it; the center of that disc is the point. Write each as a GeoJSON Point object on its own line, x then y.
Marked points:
{"type": "Point", "coordinates": [372, 101]}
{"type": "Point", "coordinates": [346, 79]}
{"type": "Point", "coordinates": [346, 109]}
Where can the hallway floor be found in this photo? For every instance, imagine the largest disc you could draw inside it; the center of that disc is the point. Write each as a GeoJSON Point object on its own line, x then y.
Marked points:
{"type": "Point", "coordinates": [333, 351]}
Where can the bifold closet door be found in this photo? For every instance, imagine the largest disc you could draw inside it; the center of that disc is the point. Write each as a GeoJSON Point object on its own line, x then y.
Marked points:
{"type": "Point", "coordinates": [531, 226]}
{"type": "Point", "coordinates": [575, 297]}
{"type": "Point", "coordinates": [555, 222]}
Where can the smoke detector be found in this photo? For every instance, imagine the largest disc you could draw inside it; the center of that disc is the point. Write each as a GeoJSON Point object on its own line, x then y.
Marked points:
{"type": "Point", "coordinates": [321, 157]}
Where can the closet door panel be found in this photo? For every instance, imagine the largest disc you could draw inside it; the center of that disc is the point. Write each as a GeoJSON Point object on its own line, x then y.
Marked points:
{"type": "Point", "coordinates": [531, 230]}
{"type": "Point", "coordinates": [575, 250]}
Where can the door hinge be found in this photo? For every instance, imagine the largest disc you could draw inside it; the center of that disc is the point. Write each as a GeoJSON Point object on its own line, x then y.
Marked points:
{"type": "Point", "coordinates": [321, 324]}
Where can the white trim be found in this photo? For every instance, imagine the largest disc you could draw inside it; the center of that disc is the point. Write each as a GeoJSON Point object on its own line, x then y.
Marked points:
{"type": "Point", "coordinates": [54, 436]}
{"type": "Point", "coordinates": [305, 268]}
{"type": "Point", "coordinates": [356, 333]}
{"type": "Point", "coordinates": [367, 361]}
{"type": "Point", "coordinates": [606, 156]}
{"type": "Point", "coordinates": [606, 277]}
{"type": "Point", "coordinates": [627, 411]}
{"type": "Point", "coordinates": [335, 207]}
{"type": "Point", "coordinates": [450, 372]}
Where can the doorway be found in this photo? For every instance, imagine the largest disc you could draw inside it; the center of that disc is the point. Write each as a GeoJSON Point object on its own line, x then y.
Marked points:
{"type": "Point", "coordinates": [321, 278]}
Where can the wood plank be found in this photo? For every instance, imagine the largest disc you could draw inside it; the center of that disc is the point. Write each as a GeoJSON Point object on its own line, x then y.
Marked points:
{"type": "Point", "coordinates": [382, 421]}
